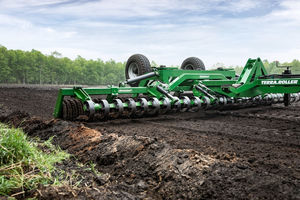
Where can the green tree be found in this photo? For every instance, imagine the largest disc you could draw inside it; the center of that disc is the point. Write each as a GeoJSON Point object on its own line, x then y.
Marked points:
{"type": "Point", "coordinates": [17, 66]}
{"type": "Point", "coordinates": [5, 70]}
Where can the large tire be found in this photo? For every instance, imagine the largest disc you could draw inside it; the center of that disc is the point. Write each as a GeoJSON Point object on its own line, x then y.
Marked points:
{"type": "Point", "coordinates": [192, 63]}
{"type": "Point", "coordinates": [137, 65]}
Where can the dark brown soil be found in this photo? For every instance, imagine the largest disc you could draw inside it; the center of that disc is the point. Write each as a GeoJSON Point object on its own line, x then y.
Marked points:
{"type": "Point", "coordinates": [39, 101]}
{"type": "Point", "coordinates": [251, 153]}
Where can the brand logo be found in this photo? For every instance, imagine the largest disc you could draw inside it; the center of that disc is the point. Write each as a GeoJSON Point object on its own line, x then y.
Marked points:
{"type": "Point", "coordinates": [280, 82]}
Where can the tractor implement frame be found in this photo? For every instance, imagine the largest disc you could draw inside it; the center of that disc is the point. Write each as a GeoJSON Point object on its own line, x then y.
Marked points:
{"type": "Point", "coordinates": [167, 88]}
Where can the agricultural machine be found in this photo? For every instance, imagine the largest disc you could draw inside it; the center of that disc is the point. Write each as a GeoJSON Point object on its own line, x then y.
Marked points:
{"type": "Point", "coordinates": [158, 90]}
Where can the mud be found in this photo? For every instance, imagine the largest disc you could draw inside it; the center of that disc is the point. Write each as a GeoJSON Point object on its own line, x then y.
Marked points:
{"type": "Point", "coordinates": [251, 153]}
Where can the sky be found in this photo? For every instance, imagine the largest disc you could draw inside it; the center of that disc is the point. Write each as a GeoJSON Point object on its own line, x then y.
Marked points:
{"type": "Point", "coordinates": [166, 31]}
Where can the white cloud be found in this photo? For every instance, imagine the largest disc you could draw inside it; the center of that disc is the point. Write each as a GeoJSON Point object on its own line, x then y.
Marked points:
{"type": "Point", "coordinates": [28, 3]}
{"type": "Point", "coordinates": [8, 20]}
{"type": "Point", "coordinates": [128, 8]}
{"type": "Point", "coordinates": [240, 6]}
{"type": "Point", "coordinates": [289, 13]}
{"type": "Point", "coordinates": [166, 31]}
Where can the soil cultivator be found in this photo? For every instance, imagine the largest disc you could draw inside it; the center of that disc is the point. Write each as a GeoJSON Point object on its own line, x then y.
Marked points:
{"type": "Point", "coordinates": [165, 89]}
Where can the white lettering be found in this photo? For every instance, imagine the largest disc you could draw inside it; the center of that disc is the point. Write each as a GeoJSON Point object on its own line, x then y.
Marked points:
{"type": "Point", "coordinates": [280, 82]}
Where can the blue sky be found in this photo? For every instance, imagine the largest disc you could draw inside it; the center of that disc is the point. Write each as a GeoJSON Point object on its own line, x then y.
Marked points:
{"type": "Point", "coordinates": [166, 31]}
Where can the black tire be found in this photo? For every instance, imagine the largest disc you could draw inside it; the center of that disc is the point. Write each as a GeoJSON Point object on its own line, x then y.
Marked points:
{"type": "Point", "coordinates": [137, 65]}
{"type": "Point", "coordinates": [193, 63]}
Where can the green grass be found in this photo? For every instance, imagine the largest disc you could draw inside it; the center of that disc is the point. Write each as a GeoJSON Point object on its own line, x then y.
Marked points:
{"type": "Point", "coordinates": [24, 163]}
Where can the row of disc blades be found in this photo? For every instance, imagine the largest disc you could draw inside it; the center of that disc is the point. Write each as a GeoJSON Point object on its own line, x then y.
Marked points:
{"type": "Point", "coordinates": [73, 108]}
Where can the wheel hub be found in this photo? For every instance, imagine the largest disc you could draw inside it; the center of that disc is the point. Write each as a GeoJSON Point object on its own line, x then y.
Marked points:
{"type": "Point", "coordinates": [133, 70]}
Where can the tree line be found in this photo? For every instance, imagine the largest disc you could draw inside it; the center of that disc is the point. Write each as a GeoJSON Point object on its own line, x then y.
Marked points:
{"type": "Point", "coordinates": [33, 67]}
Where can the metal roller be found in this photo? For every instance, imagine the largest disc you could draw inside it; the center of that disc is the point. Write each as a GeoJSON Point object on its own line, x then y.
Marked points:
{"type": "Point", "coordinates": [267, 99]}
{"type": "Point", "coordinates": [176, 105]}
{"type": "Point", "coordinates": [206, 102]}
{"type": "Point", "coordinates": [274, 98]}
{"type": "Point", "coordinates": [297, 97]}
{"type": "Point", "coordinates": [293, 98]}
{"type": "Point", "coordinates": [239, 101]}
{"type": "Point", "coordinates": [119, 108]}
{"type": "Point", "coordinates": [243, 100]}
{"type": "Point", "coordinates": [64, 110]}
{"type": "Point", "coordinates": [166, 105]}
{"type": "Point", "coordinates": [248, 100]}
{"type": "Point", "coordinates": [90, 108]}
{"type": "Point", "coordinates": [258, 99]}
{"type": "Point", "coordinates": [279, 98]}
{"type": "Point", "coordinates": [131, 109]}
{"type": "Point", "coordinates": [143, 109]}
{"type": "Point", "coordinates": [72, 108]}
{"type": "Point", "coordinates": [79, 106]}
{"type": "Point", "coordinates": [105, 108]}
{"type": "Point", "coordinates": [230, 100]}
{"type": "Point", "coordinates": [155, 107]}
{"type": "Point", "coordinates": [222, 101]}
{"type": "Point", "coordinates": [197, 104]}
{"type": "Point", "coordinates": [186, 104]}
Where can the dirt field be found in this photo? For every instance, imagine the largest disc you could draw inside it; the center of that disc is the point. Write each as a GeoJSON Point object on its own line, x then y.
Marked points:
{"type": "Point", "coordinates": [251, 153]}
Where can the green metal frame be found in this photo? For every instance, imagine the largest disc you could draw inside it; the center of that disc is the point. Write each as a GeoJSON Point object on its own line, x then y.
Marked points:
{"type": "Point", "coordinates": [222, 82]}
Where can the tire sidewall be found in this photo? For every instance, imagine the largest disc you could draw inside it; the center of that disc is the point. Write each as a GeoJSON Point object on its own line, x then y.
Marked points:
{"type": "Point", "coordinates": [142, 63]}
{"type": "Point", "coordinates": [195, 62]}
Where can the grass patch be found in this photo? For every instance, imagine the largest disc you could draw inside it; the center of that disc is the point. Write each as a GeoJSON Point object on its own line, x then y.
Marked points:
{"type": "Point", "coordinates": [24, 163]}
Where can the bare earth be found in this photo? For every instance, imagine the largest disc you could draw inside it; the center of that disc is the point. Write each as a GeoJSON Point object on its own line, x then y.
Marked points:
{"type": "Point", "coordinates": [251, 153]}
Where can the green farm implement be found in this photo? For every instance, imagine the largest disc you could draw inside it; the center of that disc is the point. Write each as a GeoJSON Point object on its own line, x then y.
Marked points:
{"type": "Point", "coordinates": [151, 91]}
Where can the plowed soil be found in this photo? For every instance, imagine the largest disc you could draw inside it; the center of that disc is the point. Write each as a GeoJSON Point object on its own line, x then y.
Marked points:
{"type": "Point", "coordinates": [250, 153]}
